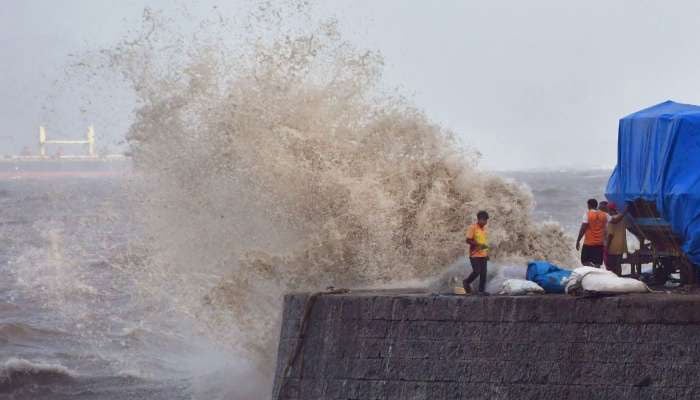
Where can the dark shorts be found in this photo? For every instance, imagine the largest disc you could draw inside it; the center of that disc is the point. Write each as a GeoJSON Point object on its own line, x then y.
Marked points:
{"type": "Point", "coordinates": [592, 255]}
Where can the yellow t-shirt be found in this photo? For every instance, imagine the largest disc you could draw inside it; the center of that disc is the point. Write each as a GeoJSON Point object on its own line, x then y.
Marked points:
{"type": "Point", "coordinates": [480, 236]}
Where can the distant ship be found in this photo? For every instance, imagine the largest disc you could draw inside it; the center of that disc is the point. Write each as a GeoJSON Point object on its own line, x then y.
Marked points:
{"type": "Point", "coordinates": [43, 165]}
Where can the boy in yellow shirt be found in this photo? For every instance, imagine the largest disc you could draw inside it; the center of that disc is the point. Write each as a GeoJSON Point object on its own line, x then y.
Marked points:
{"type": "Point", "coordinates": [477, 239]}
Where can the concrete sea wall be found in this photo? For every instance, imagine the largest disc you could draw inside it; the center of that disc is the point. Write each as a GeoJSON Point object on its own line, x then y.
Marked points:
{"type": "Point", "coordinates": [401, 345]}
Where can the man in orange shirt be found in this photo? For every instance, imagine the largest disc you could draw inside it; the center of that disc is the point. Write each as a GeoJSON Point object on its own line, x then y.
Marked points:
{"type": "Point", "coordinates": [593, 228]}
{"type": "Point", "coordinates": [477, 239]}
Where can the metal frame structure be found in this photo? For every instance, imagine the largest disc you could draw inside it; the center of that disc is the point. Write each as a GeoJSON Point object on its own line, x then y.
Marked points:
{"type": "Point", "coordinates": [89, 140]}
{"type": "Point", "coordinates": [658, 245]}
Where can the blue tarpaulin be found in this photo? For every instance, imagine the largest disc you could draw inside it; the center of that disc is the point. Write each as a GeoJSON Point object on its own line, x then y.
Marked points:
{"type": "Point", "coordinates": [549, 276]}
{"type": "Point", "coordinates": [658, 160]}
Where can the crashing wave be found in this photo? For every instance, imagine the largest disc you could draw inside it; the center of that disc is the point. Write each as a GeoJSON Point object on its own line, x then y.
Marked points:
{"type": "Point", "coordinates": [15, 372]}
{"type": "Point", "coordinates": [278, 163]}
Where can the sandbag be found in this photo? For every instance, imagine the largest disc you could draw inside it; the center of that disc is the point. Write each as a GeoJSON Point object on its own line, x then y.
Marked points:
{"type": "Point", "coordinates": [550, 277]}
{"type": "Point", "coordinates": [499, 273]}
{"type": "Point", "coordinates": [597, 280]}
{"type": "Point", "coordinates": [519, 287]}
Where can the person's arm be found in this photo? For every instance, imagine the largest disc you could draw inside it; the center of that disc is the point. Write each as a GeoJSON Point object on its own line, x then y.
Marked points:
{"type": "Point", "coordinates": [618, 217]}
{"type": "Point", "coordinates": [472, 242]}
{"type": "Point", "coordinates": [608, 235]}
{"type": "Point", "coordinates": [581, 232]}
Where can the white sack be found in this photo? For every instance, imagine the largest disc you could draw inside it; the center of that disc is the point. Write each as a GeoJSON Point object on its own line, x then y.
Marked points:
{"type": "Point", "coordinates": [601, 281]}
{"type": "Point", "coordinates": [519, 287]}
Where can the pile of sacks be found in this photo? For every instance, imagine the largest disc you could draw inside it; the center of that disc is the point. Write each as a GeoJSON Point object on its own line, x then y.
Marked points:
{"type": "Point", "coordinates": [543, 277]}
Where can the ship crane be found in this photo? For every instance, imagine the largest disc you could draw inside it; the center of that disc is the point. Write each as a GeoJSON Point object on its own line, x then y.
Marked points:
{"type": "Point", "coordinates": [89, 140]}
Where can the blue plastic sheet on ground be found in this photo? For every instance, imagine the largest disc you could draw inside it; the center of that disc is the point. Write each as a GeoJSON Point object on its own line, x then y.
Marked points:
{"type": "Point", "coordinates": [658, 159]}
{"type": "Point", "coordinates": [549, 276]}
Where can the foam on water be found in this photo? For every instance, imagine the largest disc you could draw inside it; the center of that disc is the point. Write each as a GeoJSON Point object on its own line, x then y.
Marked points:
{"type": "Point", "coordinates": [16, 372]}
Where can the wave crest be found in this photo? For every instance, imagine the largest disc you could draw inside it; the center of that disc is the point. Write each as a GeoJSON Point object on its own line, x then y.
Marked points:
{"type": "Point", "coordinates": [17, 372]}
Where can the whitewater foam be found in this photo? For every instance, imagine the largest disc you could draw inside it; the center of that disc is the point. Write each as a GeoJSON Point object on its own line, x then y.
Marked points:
{"type": "Point", "coordinates": [15, 368]}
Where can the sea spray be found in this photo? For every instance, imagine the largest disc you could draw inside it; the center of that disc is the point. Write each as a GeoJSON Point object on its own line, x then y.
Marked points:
{"type": "Point", "coordinates": [280, 164]}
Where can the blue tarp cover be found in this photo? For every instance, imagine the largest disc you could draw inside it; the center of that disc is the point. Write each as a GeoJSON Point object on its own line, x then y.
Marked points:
{"type": "Point", "coordinates": [549, 276]}
{"type": "Point", "coordinates": [658, 159]}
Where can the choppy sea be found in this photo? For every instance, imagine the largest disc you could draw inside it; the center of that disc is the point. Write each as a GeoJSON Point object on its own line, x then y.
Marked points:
{"type": "Point", "coordinates": [68, 329]}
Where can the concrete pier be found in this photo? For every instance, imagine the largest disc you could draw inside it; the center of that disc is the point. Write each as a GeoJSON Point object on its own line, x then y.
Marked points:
{"type": "Point", "coordinates": [413, 345]}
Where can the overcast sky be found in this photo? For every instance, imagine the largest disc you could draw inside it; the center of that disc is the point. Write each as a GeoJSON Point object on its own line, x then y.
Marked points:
{"type": "Point", "coordinates": [532, 84]}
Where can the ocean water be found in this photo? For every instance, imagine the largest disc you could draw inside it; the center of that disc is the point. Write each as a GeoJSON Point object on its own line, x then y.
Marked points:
{"type": "Point", "coordinates": [71, 326]}
{"type": "Point", "coordinates": [268, 157]}
{"type": "Point", "coordinates": [64, 316]}
{"type": "Point", "coordinates": [561, 195]}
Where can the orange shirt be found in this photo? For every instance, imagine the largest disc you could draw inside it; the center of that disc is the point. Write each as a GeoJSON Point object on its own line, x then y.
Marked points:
{"type": "Point", "coordinates": [595, 233]}
{"type": "Point", "coordinates": [480, 236]}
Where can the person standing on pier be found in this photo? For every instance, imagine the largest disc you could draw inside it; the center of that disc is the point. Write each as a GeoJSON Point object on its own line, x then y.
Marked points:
{"type": "Point", "coordinates": [593, 229]}
{"type": "Point", "coordinates": [615, 242]}
{"type": "Point", "coordinates": [477, 239]}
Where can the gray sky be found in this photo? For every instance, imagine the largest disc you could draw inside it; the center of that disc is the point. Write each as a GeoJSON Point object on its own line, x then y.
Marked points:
{"type": "Point", "coordinates": [536, 84]}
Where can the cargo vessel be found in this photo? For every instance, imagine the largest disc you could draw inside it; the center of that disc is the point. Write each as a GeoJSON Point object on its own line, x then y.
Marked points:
{"type": "Point", "coordinates": [47, 164]}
